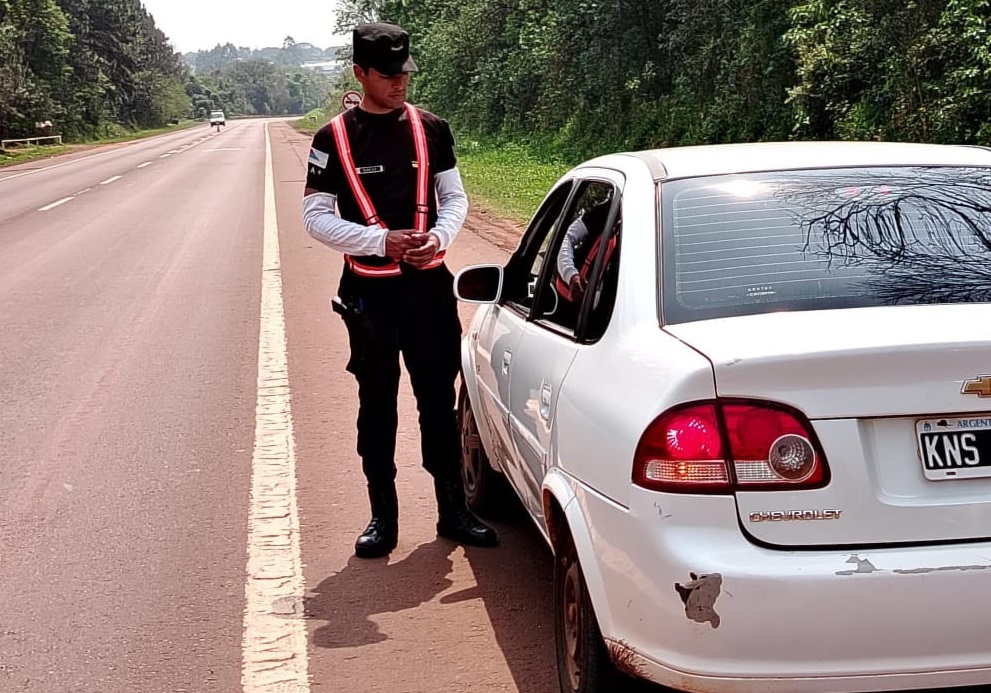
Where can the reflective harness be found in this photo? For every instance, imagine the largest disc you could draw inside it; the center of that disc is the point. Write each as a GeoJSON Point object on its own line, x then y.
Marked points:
{"type": "Point", "coordinates": [390, 269]}
{"type": "Point", "coordinates": [563, 288]}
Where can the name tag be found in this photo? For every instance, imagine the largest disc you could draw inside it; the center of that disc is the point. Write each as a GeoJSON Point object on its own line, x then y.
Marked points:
{"type": "Point", "coordinates": [370, 169]}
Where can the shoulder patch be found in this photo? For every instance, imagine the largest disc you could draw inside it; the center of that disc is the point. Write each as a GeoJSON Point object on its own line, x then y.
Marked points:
{"type": "Point", "coordinates": [318, 158]}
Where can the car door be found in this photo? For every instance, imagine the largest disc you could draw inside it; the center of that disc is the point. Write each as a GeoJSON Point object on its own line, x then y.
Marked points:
{"type": "Point", "coordinates": [497, 334]}
{"type": "Point", "coordinates": [557, 322]}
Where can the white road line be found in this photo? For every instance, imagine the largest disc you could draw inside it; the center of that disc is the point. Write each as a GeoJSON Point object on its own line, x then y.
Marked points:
{"type": "Point", "coordinates": [164, 156]}
{"type": "Point", "coordinates": [83, 192]}
{"type": "Point", "coordinates": [147, 163]}
{"type": "Point", "coordinates": [55, 204]}
{"type": "Point", "coordinates": [274, 657]}
{"type": "Point", "coordinates": [110, 180]}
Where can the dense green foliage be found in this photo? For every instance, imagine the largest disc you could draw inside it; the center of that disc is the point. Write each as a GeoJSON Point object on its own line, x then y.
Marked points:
{"type": "Point", "coordinates": [84, 65]}
{"type": "Point", "coordinates": [98, 68]}
{"type": "Point", "coordinates": [270, 81]}
{"type": "Point", "coordinates": [579, 77]}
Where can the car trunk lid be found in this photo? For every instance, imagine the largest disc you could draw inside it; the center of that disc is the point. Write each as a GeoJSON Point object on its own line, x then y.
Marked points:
{"type": "Point", "coordinates": [900, 401]}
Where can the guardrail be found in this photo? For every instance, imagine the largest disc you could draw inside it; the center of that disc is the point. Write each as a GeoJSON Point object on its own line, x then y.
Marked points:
{"type": "Point", "coordinates": [31, 140]}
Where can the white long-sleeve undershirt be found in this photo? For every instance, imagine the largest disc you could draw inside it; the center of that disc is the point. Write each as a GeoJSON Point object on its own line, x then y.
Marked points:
{"type": "Point", "coordinates": [573, 237]}
{"type": "Point", "coordinates": [322, 222]}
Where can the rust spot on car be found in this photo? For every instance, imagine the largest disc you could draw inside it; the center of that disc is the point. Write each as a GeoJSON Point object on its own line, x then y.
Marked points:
{"type": "Point", "coordinates": [699, 595]}
{"type": "Point", "coordinates": [626, 660]}
{"type": "Point", "coordinates": [864, 566]}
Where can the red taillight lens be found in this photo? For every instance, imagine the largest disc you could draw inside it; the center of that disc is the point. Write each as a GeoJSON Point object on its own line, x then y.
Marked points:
{"type": "Point", "coordinates": [769, 446]}
{"type": "Point", "coordinates": [682, 450]}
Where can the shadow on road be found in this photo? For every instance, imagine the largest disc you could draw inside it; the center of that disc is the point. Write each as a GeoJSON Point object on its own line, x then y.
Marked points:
{"type": "Point", "coordinates": [347, 600]}
{"type": "Point", "coordinates": [514, 584]}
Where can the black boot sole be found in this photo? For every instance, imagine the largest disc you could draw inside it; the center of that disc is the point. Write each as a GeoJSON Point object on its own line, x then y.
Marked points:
{"type": "Point", "coordinates": [375, 551]}
{"type": "Point", "coordinates": [466, 539]}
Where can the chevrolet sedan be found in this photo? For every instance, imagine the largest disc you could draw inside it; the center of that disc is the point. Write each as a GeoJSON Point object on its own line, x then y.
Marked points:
{"type": "Point", "coordinates": [744, 393]}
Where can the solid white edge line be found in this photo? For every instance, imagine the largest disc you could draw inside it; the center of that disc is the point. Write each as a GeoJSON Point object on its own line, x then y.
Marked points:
{"type": "Point", "coordinates": [55, 204]}
{"type": "Point", "coordinates": [274, 655]}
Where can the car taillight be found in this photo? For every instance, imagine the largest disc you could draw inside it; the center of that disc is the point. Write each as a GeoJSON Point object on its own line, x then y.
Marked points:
{"type": "Point", "coordinates": [722, 446]}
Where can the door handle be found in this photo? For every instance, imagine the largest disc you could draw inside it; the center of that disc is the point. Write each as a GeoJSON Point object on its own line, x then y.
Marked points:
{"type": "Point", "coordinates": [545, 402]}
{"type": "Point", "coordinates": [507, 358]}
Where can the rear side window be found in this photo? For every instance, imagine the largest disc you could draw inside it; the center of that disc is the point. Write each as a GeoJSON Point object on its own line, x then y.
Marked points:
{"type": "Point", "coordinates": [809, 240]}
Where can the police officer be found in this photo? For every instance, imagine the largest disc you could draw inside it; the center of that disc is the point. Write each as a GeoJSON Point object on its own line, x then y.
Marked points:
{"type": "Point", "coordinates": [382, 187]}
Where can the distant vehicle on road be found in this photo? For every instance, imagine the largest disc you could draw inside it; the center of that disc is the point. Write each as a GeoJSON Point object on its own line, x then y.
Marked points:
{"type": "Point", "coordinates": [758, 440]}
{"type": "Point", "coordinates": [217, 118]}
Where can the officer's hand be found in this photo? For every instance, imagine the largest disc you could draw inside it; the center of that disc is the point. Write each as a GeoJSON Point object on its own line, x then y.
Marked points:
{"type": "Point", "coordinates": [577, 284]}
{"type": "Point", "coordinates": [398, 242]}
{"type": "Point", "coordinates": [419, 257]}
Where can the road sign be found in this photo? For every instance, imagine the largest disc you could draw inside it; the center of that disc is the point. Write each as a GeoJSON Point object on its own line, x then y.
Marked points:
{"type": "Point", "coordinates": [350, 100]}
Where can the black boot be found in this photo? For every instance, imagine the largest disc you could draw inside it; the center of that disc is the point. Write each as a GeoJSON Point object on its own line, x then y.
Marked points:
{"type": "Point", "coordinates": [456, 521]}
{"type": "Point", "coordinates": [382, 533]}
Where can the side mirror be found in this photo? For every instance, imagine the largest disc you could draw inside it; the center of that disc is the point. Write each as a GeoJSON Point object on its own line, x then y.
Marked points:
{"type": "Point", "coordinates": [479, 284]}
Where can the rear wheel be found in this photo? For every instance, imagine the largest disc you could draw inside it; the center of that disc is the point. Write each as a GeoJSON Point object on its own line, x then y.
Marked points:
{"type": "Point", "coordinates": [583, 665]}
{"type": "Point", "coordinates": [479, 479]}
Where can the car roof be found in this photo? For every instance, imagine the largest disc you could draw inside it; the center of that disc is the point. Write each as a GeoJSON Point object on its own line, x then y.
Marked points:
{"type": "Point", "coordinates": [720, 159]}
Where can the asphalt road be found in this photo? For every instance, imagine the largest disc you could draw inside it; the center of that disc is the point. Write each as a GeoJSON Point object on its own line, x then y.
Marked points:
{"type": "Point", "coordinates": [136, 294]}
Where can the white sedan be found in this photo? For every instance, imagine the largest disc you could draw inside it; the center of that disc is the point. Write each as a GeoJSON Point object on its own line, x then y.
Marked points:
{"type": "Point", "coordinates": [744, 392]}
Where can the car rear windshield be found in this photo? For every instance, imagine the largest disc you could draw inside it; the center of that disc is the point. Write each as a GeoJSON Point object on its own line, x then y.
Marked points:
{"type": "Point", "coordinates": [819, 239]}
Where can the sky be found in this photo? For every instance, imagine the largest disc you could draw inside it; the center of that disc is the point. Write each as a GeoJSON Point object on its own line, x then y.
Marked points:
{"type": "Point", "coordinates": [193, 25]}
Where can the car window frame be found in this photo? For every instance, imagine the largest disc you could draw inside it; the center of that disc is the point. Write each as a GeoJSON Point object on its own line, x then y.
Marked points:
{"type": "Point", "coordinates": [521, 261]}
{"type": "Point", "coordinates": [609, 177]}
{"type": "Point", "coordinates": [613, 227]}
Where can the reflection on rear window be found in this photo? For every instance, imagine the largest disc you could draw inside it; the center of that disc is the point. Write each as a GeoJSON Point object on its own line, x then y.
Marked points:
{"type": "Point", "coordinates": [806, 240]}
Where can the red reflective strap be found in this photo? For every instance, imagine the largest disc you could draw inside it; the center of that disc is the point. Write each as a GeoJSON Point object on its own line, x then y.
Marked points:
{"type": "Point", "coordinates": [389, 270]}
{"type": "Point", "coordinates": [351, 171]}
{"type": "Point", "coordinates": [422, 168]}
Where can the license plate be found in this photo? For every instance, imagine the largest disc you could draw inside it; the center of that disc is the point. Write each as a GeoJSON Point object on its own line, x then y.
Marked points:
{"type": "Point", "coordinates": [955, 448]}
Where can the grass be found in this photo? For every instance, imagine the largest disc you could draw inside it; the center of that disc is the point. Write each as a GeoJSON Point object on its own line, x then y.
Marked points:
{"type": "Point", "coordinates": [510, 179]}
{"type": "Point", "coordinates": [9, 157]}
{"type": "Point", "coordinates": [311, 122]}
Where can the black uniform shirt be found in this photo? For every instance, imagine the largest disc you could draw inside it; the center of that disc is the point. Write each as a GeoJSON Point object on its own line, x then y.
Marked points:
{"type": "Point", "coordinates": [385, 155]}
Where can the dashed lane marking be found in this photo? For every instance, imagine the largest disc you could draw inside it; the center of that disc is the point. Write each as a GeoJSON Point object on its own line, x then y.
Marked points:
{"type": "Point", "coordinates": [110, 180]}
{"type": "Point", "coordinates": [274, 657]}
{"type": "Point", "coordinates": [49, 168]}
{"type": "Point", "coordinates": [147, 163]}
{"type": "Point", "coordinates": [55, 204]}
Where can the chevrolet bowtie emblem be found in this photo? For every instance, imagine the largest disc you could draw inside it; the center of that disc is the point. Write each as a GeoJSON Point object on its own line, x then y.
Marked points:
{"type": "Point", "coordinates": [977, 386]}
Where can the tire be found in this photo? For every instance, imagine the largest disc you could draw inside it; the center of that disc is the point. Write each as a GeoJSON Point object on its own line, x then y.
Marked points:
{"type": "Point", "coordinates": [481, 482]}
{"type": "Point", "coordinates": [583, 664]}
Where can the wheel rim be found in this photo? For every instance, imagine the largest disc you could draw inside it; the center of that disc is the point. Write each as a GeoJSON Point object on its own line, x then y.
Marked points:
{"type": "Point", "coordinates": [572, 624]}
{"type": "Point", "coordinates": [470, 451]}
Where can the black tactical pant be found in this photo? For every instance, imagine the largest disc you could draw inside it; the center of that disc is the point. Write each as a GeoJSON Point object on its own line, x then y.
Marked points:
{"type": "Point", "coordinates": [415, 315]}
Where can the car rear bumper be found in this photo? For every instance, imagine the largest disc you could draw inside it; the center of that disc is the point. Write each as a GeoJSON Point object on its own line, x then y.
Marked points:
{"type": "Point", "coordinates": [687, 601]}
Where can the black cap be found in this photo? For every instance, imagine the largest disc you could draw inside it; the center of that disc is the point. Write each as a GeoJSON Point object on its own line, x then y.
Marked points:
{"type": "Point", "coordinates": [382, 46]}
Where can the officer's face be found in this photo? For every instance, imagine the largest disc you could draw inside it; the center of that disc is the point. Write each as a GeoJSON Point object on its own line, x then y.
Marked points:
{"type": "Point", "coordinates": [382, 93]}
